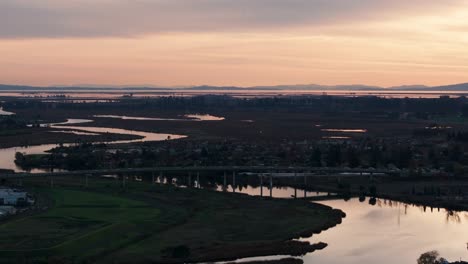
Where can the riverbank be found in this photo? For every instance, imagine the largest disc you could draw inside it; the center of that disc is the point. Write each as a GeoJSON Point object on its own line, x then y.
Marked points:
{"type": "Point", "coordinates": [280, 261]}
{"type": "Point", "coordinates": [441, 202]}
{"type": "Point", "coordinates": [27, 137]}
{"type": "Point", "coordinates": [143, 223]}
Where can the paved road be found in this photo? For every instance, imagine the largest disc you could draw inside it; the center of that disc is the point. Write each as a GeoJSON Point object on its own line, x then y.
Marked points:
{"type": "Point", "coordinates": [311, 171]}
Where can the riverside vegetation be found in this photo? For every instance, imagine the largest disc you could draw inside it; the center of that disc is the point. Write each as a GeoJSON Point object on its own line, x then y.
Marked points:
{"type": "Point", "coordinates": [145, 223]}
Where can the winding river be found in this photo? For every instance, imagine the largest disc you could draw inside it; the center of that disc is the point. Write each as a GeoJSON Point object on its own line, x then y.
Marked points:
{"type": "Point", "coordinates": [7, 160]}
{"type": "Point", "coordinates": [388, 232]}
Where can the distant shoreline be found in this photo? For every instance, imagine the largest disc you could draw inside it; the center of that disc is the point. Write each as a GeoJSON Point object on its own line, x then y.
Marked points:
{"type": "Point", "coordinates": [301, 87]}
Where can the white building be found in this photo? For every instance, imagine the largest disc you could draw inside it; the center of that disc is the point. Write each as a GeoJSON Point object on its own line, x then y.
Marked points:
{"type": "Point", "coordinates": [12, 197]}
{"type": "Point", "coordinates": [7, 210]}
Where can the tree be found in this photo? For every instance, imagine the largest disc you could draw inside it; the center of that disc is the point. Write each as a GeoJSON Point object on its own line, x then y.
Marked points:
{"type": "Point", "coordinates": [353, 158]}
{"type": "Point", "coordinates": [431, 257]}
{"type": "Point", "coordinates": [455, 153]}
{"type": "Point", "coordinates": [316, 157]}
{"type": "Point", "coordinates": [373, 190]}
{"type": "Point", "coordinates": [334, 156]}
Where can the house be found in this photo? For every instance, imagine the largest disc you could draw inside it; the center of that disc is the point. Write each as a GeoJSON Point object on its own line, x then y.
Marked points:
{"type": "Point", "coordinates": [13, 197]}
{"type": "Point", "coordinates": [7, 210]}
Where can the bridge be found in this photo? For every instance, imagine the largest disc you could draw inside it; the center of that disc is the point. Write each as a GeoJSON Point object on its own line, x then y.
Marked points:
{"type": "Point", "coordinates": [268, 172]}
{"type": "Point", "coordinates": [312, 171]}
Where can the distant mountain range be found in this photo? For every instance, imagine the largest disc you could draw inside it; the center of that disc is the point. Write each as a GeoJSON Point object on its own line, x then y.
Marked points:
{"type": "Point", "coordinates": [455, 87]}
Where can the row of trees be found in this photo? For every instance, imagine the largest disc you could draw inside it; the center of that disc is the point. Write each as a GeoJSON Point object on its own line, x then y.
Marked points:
{"type": "Point", "coordinates": [422, 107]}
{"type": "Point", "coordinates": [367, 153]}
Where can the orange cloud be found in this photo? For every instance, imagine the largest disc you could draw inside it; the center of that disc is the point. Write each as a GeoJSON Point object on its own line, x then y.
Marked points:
{"type": "Point", "coordinates": [395, 44]}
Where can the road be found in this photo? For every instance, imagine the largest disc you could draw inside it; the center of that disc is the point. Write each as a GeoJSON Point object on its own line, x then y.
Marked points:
{"type": "Point", "coordinates": [311, 171]}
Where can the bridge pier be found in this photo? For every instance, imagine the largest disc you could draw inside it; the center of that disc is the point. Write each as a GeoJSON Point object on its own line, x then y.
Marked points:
{"type": "Point", "coordinates": [261, 185]}
{"type": "Point", "coordinates": [305, 185]}
{"type": "Point", "coordinates": [271, 185]}
{"type": "Point", "coordinates": [295, 185]}
{"type": "Point", "coordinates": [233, 181]}
{"type": "Point", "coordinates": [335, 173]}
{"type": "Point", "coordinates": [189, 184]}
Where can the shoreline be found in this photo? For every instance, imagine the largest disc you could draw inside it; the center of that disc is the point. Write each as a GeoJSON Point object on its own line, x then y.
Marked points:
{"type": "Point", "coordinates": [310, 219]}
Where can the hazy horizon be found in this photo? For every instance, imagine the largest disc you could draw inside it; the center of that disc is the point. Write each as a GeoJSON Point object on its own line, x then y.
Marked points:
{"type": "Point", "coordinates": [242, 43]}
{"type": "Point", "coordinates": [299, 85]}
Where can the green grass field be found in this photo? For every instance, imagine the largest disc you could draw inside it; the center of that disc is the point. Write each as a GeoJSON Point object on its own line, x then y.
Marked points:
{"type": "Point", "coordinates": [144, 223]}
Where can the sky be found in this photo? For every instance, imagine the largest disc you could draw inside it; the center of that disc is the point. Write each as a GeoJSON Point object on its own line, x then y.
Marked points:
{"type": "Point", "coordinates": [233, 42]}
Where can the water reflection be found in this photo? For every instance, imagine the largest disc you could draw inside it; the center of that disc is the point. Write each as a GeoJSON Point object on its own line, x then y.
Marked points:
{"type": "Point", "coordinates": [390, 232]}
{"type": "Point", "coordinates": [106, 94]}
{"type": "Point", "coordinates": [344, 130]}
{"type": "Point", "coordinates": [374, 230]}
{"type": "Point", "coordinates": [277, 191]}
{"type": "Point", "coordinates": [205, 117]}
{"type": "Point", "coordinates": [139, 118]}
{"type": "Point", "coordinates": [189, 117]}
{"type": "Point", "coordinates": [145, 136]}
{"type": "Point", "coordinates": [75, 132]}
{"type": "Point", "coordinates": [453, 217]}
{"type": "Point", "coordinates": [71, 121]}
{"type": "Point", "coordinates": [5, 113]}
{"type": "Point", "coordinates": [8, 154]}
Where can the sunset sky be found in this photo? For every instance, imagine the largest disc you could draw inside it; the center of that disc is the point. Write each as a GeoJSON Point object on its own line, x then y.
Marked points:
{"type": "Point", "coordinates": [233, 42]}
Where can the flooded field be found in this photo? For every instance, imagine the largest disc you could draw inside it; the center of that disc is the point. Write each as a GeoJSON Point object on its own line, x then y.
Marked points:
{"type": "Point", "coordinates": [189, 117]}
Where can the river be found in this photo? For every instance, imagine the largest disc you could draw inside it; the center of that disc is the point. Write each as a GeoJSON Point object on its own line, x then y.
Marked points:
{"type": "Point", "coordinates": [7, 160]}
{"type": "Point", "coordinates": [388, 232]}
{"type": "Point", "coordinates": [391, 232]}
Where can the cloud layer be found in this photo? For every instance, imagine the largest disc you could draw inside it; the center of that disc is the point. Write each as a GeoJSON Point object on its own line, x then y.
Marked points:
{"type": "Point", "coordinates": [122, 18]}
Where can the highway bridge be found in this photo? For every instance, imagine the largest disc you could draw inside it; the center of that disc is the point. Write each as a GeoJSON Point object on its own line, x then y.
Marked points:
{"type": "Point", "coordinates": [270, 171]}
{"type": "Point", "coordinates": [266, 174]}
